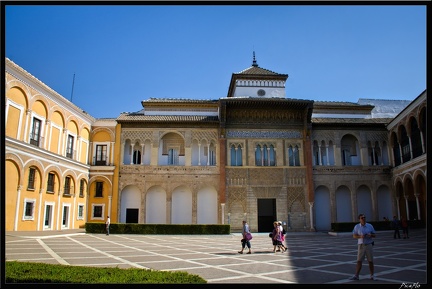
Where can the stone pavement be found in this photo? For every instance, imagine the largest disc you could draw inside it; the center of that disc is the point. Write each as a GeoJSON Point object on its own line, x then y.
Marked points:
{"type": "Point", "coordinates": [312, 258]}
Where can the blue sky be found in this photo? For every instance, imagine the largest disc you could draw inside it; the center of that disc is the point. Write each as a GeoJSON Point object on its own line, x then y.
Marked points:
{"type": "Point", "coordinates": [123, 54]}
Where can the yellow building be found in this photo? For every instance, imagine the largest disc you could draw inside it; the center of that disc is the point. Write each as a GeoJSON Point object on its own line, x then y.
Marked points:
{"type": "Point", "coordinates": [47, 143]}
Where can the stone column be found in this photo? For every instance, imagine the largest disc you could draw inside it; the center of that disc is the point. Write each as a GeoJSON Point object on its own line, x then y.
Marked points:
{"type": "Point", "coordinates": [406, 207]}
{"type": "Point", "coordinates": [222, 215]}
{"type": "Point", "coordinates": [418, 206]}
{"type": "Point", "coordinates": [18, 201]}
{"type": "Point", "coordinates": [311, 216]}
{"type": "Point", "coordinates": [327, 155]}
{"type": "Point", "coordinates": [111, 160]}
{"type": "Point", "coordinates": [422, 142]}
{"type": "Point", "coordinates": [41, 191]}
{"type": "Point", "coordinates": [26, 126]}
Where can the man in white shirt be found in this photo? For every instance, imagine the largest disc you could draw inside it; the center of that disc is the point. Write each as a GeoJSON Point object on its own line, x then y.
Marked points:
{"type": "Point", "coordinates": [364, 232]}
{"type": "Point", "coordinates": [107, 223]}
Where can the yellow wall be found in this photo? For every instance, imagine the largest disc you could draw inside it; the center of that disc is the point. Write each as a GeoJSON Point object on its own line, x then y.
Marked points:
{"type": "Point", "coordinates": [115, 190]}
{"type": "Point", "coordinates": [55, 139]}
{"type": "Point", "coordinates": [85, 136]}
{"type": "Point", "coordinates": [11, 186]}
{"type": "Point", "coordinates": [13, 122]}
{"type": "Point", "coordinates": [39, 109]}
{"type": "Point", "coordinates": [16, 95]}
{"type": "Point", "coordinates": [101, 136]}
{"type": "Point", "coordinates": [72, 128]}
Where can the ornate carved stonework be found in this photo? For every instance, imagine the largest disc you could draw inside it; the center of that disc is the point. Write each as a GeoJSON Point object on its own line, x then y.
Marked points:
{"type": "Point", "coordinates": [135, 134]}
{"type": "Point", "coordinates": [267, 192]}
{"type": "Point", "coordinates": [263, 134]}
{"type": "Point", "coordinates": [205, 135]}
{"type": "Point", "coordinates": [266, 177]}
{"type": "Point", "coordinates": [296, 195]}
{"type": "Point", "coordinates": [237, 195]}
{"type": "Point", "coordinates": [260, 116]}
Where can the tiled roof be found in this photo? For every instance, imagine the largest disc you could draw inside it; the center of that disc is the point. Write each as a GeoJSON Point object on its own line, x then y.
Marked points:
{"type": "Point", "coordinates": [177, 100]}
{"type": "Point", "coordinates": [255, 70]}
{"type": "Point", "coordinates": [138, 117]}
{"type": "Point", "coordinates": [322, 120]}
{"type": "Point", "coordinates": [338, 103]}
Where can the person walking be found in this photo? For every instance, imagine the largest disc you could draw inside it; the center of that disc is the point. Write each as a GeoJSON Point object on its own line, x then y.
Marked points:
{"type": "Point", "coordinates": [364, 232]}
{"type": "Point", "coordinates": [396, 226]}
{"type": "Point", "coordinates": [277, 238]}
{"type": "Point", "coordinates": [404, 224]}
{"type": "Point", "coordinates": [107, 225]}
{"type": "Point", "coordinates": [245, 242]}
{"type": "Point", "coordinates": [283, 232]}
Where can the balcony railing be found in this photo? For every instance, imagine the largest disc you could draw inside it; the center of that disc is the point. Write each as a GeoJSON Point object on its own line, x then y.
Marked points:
{"type": "Point", "coordinates": [70, 154]}
{"type": "Point", "coordinates": [67, 190]}
{"type": "Point", "coordinates": [100, 162]}
{"type": "Point", "coordinates": [35, 140]}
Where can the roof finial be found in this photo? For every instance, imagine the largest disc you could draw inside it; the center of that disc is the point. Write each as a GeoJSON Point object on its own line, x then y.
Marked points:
{"type": "Point", "coordinates": [254, 63]}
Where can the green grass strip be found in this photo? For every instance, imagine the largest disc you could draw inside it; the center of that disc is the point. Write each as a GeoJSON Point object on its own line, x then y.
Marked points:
{"type": "Point", "coordinates": [29, 272]}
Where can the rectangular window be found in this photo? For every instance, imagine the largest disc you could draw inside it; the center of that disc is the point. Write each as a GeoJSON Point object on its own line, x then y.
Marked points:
{"type": "Point", "coordinates": [35, 133]}
{"type": "Point", "coordinates": [82, 184]}
{"type": "Point", "coordinates": [48, 215]}
{"type": "Point", "coordinates": [50, 183]}
{"type": "Point", "coordinates": [65, 219]}
{"type": "Point", "coordinates": [80, 212]}
{"type": "Point", "coordinates": [101, 155]}
{"type": "Point", "coordinates": [31, 179]}
{"type": "Point", "coordinates": [99, 189]}
{"type": "Point", "coordinates": [67, 186]}
{"type": "Point", "coordinates": [97, 211]}
{"type": "Point", "coordinates": [29, 209]}
{"type": "Point", "coordinates": [69, 148]}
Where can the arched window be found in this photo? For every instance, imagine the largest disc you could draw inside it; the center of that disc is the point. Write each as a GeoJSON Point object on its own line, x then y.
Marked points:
{"type": "Point", "coordinates": [293, 156]}
{"type": "Point", "coordinates": [258, 155]}
{"type": "Point", "coordinates": [396, 151]}
{"type": "Point", "coordinates": [236, 155]}
{"type": "Point", "coordinates": [272, 156]}
{"type": "Point", "coordinates": [265, 156]}
{"type": "Point", "coordinates": [136, 157]}
{"type": "Point", "coordinates": [415, 139]}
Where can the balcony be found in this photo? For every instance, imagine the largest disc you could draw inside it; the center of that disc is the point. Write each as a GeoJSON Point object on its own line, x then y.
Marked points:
{"type": "Point", "coordinates": [70, 154]}
{"type": "Point", "coordinates": [36, 140]}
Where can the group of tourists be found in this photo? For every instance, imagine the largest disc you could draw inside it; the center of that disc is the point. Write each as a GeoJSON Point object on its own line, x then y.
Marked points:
{"type": "Point", "coordinates": [396, 225]}
{"type": "Point", "coordinates": [277, 236]}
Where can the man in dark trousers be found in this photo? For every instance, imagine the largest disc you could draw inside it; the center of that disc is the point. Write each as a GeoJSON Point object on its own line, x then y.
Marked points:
{"type": "Point", "coordinates": [396, 226]}
{"type": "Point", "coordinates": [107, 223]}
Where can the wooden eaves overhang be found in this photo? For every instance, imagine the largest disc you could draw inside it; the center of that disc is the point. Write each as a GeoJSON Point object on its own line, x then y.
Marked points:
{"type": "Point", "coordinates": [275, 109]}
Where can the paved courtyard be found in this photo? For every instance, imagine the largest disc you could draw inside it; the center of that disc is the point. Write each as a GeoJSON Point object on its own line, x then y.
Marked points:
{"type": "Point", "coordinates": [312, 258]}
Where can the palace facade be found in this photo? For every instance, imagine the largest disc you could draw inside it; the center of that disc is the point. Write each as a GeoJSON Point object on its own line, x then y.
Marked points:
{"type": "Point", "coordinates": [253, 155]}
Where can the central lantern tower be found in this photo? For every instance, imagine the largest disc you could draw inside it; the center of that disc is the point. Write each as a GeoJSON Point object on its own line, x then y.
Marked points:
{"type": "Point", "coordinates": [257, 82]}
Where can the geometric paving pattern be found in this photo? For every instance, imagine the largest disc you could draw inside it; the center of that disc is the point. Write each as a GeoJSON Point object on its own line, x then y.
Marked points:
{"type": "Point", "coordinates": [311, 258]}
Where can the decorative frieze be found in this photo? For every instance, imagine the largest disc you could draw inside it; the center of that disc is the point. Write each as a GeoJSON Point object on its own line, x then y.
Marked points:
{"type": "Point", "coordinates": [263, 134]}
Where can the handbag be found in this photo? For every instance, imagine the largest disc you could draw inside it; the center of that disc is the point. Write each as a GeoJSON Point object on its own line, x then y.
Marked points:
{"type": "Point", "coordinates": [248, 236]}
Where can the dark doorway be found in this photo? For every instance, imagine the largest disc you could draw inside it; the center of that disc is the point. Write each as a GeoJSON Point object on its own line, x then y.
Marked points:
{"type": "Point", "coordinates": [132, 216]}
{"type": "Point", "coordinates": [266, 214]}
